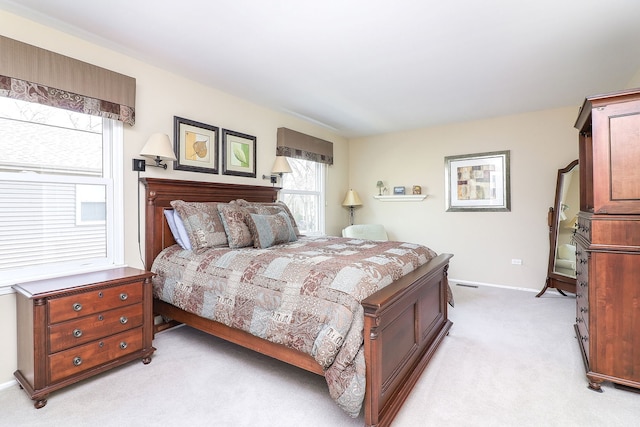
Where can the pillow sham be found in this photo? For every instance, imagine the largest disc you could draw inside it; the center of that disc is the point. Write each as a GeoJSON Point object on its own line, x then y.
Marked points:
{"type": "Point", "coordinates": [234, 221]}
{"type": "Point", "coordinates": [271, 208]}
{"type": "Point", "coordinates": [202, 223]}
{"type": "Point", "coordinates": [177, 229]}
{"type": "Point", "coordinates": [270, 230]}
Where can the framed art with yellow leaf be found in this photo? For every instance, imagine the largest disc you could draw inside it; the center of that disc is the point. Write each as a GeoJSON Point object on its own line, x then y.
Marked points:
{"type": "Point", "coordinates": [196, 146]}
{"type": "Point", "coordinates": [238, 154]}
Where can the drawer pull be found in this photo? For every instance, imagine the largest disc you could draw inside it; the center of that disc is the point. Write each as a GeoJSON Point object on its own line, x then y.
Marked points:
{"type": "Point", "coordinates": [100, 295]}
{"type": "Point", "coordinates": [123, 345]}
{"type": "Point", "coordinates": [100, 317]}
{"type": "Point", "coordinates": [124, 320]}
{"type": "Point", "coordinates": [77, 361]}
{"type": "Point", "coordinates": [123, 296]}
{"type": "Point", "coordinates": [77, 306]}
{"type": "Point", "coordinates": [77, 333]}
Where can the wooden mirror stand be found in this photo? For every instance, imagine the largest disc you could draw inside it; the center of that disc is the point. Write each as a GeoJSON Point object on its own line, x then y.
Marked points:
{"type": "Point", "coordinates": [562, 217]}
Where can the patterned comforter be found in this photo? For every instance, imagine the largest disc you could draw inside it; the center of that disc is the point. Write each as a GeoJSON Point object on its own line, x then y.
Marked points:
{"type": "Point", "coordinates": [305, 295]}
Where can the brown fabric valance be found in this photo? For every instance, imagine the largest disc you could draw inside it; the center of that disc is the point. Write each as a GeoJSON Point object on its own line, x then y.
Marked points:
{"type": "Point", "coordinates": [37, 75]}
{"type": "Point", "coordinates": [301, 146]}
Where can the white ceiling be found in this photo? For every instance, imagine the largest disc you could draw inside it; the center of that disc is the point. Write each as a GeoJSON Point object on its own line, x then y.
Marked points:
{"type": "Point", "coordinates": [365, 67]}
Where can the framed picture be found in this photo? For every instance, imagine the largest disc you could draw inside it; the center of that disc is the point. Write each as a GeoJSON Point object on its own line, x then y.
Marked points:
{"type": "Point", "coordinates": [238, 154]}
{"type": "Point", "coordinates": [398, 191]}
{"type": "Point", "coordinates": [478, 182]}
{"type": "Point", "coordinates": [196, 146]}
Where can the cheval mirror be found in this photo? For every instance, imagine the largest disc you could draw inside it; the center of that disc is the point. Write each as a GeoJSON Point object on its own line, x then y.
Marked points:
{"type": "Point", "coordinates": [562, 217]}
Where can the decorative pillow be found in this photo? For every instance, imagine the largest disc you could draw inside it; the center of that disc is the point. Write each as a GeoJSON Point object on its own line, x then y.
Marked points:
{"type": "Point", "coordinates": [179, 236]}
{"type": "Point", "coordinates": [269, 230]}
{"type": "Point", "coordinates": [271, 209]}
{"type": "Point", "coordinates": [234, 220]}
{"type": "Point", "coordinates": [202, 222]}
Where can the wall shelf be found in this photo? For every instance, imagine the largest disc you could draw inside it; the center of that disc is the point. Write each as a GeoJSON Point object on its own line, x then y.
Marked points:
{"type": "Point", "coordinates": [402, 198]}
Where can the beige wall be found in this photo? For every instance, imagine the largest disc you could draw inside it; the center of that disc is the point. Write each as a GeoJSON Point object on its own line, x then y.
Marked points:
{"type": "Point", "coordinates": [160, 96]}
{"type": "Point", "coordinates": [483, 243]}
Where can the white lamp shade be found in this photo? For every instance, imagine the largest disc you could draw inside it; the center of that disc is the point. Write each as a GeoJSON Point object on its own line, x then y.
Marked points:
{"type": "Point", "coordinates": [158, 145]}
{"type": "Point", "coordinates": [281, 165]}
{"type": "Point", "coordinates": [352, 199]}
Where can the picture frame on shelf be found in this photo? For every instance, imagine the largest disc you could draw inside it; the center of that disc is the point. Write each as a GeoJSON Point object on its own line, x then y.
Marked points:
{"type": "Point", "coordinates": [398, 191]}
{"type": "Point", "coordinates": [478, 182]}
{"type": "Point", "coordinates": [238, 154]}
{"type": "Point", "coordinates": [196, 146]}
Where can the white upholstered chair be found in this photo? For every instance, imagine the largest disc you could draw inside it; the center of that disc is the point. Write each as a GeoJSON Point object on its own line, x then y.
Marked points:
{"type": "Point", "coordinates": [366, 232]}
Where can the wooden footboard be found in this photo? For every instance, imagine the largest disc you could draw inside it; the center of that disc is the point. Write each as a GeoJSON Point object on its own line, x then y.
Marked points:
{"type": "Point", "coordinates": [403, 326]}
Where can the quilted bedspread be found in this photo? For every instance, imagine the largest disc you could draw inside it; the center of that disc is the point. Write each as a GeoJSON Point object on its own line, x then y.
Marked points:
{"type": "Point", "coordinates": [305, 295]}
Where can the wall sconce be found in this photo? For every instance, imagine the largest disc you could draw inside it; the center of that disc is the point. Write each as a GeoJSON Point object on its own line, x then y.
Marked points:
{"type": "Point", "coordinates": [280, 166]}
{"type": "Point", "coordinates": [157, 148]}
{"type": "Point", "coordinates": [351, 200]}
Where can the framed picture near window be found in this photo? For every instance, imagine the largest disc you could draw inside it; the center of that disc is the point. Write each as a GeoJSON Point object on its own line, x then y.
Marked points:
{"type": "Point", "coordinates": [196, 146]}
{"type": "Point", "coordinates": [238, 154]}
{"type": "Point", "coordinates": [478, 182]}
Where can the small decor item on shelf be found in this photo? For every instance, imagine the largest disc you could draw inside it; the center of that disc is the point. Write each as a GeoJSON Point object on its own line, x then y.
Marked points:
{"type": "Point", "coordinates": [380, 186]}
{"type": "Point", "coordinates": [417, 189]}
{"type": "Point", "coordinates": [398, 191]}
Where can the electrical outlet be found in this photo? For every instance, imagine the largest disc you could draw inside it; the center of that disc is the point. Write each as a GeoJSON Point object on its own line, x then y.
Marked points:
{"type": "Point", "coordinates": [516, 261]}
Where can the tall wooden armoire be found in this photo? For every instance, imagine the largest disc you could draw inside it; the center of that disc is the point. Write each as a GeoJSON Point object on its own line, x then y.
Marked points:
{"type": "Point", "coordinates": [608, 239]}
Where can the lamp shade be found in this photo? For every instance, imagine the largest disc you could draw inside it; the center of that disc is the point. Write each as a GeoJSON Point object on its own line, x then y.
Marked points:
{"type": "Point", "coordinates": [158, 146]}
{"type": "Point", "coordinates": [352, 199]}
{"type": "Point", "coordinates": [281, 165]}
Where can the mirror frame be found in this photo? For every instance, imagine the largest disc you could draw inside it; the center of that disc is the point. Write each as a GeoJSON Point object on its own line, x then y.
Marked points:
{"type": "Point", "coordinates": [560, 282]}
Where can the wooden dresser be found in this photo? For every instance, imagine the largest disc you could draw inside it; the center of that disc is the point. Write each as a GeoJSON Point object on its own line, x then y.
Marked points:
{"type": "Point", "coordinates": [608, 239]}
{"type": "Point", "coordinates": [74, 327]}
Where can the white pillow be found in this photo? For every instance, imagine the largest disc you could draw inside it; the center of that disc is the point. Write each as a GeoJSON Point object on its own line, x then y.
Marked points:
{"type": "Point", "coordinates": [177, 229]}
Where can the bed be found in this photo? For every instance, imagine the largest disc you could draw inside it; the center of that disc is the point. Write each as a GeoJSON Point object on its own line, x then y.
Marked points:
{"type": "Point", "coordinates": [403, 324]}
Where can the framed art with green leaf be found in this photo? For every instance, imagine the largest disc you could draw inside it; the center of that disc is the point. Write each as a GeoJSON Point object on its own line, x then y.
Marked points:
{"type": "Point", "coordinates": [238, 154]}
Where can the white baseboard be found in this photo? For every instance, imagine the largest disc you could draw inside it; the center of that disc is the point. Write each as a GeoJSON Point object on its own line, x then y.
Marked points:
{"type": "Point", "coordinates": [8, 384]}
{"type": "Point", "coordinates": [453, 281]}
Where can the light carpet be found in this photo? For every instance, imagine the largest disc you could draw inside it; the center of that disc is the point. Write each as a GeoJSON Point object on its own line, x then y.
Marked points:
{"type": "Point", "coordinates": [510, 360]}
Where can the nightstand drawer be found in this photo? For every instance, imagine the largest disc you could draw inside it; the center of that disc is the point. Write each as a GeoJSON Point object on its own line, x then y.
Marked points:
{"type": "Point", "coordinates": [76, 360]}
{"type": "Point", "coordinates": [79, 331]}
{"type": "Point", "coordinates": [74, 306]}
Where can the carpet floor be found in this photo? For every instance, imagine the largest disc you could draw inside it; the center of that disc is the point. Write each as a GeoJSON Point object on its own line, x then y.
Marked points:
{"type": "Point", "coordinates": [510, 360]}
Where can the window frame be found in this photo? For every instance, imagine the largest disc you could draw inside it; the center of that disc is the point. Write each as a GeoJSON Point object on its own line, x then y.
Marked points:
{"type": "Point", "coordinates": [113, 177]}
{"type": "Point", "coordinates": [321, 177]}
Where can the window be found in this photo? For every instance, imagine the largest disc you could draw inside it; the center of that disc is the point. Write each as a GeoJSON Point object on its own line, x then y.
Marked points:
{"type": "Point", "coordinates": [60, 191]}
{"type": "Point", "coordinates": [303, 192]}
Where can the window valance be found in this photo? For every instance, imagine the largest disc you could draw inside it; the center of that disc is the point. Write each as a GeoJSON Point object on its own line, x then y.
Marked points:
{"type": "Point", "coordinates": [301, 146]}
{"type": "Point", "coordinates": [38, 75]}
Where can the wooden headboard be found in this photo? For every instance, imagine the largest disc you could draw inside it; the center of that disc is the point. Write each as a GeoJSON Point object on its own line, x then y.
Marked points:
{"type": "Point", "coordinates": [160, 193]}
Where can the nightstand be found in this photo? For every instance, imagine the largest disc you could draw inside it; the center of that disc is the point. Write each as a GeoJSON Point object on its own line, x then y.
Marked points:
{"type": "Point", "coordinates": [71, 328]}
